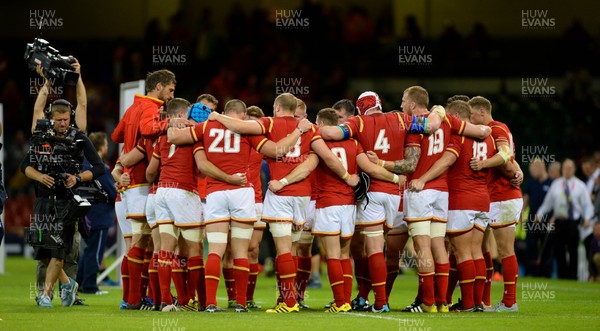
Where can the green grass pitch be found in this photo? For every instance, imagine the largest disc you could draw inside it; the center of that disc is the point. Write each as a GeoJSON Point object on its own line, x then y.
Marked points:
{"type": "Point", "coordinates": [544, 305]}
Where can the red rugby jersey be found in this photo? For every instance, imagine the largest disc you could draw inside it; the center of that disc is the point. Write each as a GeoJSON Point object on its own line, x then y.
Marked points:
{"type": "Point", "coordinates": [432, 149]}
{"type": "Point", "coordinates": [499, 187]}
{"type": "Point", "coordinates": [254, 175]}
{"type": "Point", "coordinates": [386, 135]}
{"type": "Point", "coordinates": [331, 189]}
{"type": "Point", "coordinates": [467, 189]}
{"type": "Point", "coordinates": [277, 128]}
{"type": "Point", "coordinates": [177, 165]}
{"type": "Point", "coordinates": [227, 150]}
{"type": "Point", "coordinates": [146, 146]}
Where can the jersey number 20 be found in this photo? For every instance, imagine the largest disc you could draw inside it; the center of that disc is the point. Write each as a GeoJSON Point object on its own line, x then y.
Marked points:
{"type": "Point", "coordinates": [231, 142]}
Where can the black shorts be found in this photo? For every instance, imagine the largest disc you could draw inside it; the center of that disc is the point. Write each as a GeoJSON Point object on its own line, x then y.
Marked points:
{"type": "Point", "coordinates": [44, 211]}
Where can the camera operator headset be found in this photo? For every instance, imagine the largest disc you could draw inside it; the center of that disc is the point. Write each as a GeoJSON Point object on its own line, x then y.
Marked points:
{"type": "Point", "coordinates": [54, 161]}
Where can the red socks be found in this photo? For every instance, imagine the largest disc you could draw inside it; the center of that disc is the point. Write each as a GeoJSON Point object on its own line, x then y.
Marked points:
{"type": "Point", "coordinates": [426, 288]}
{"type": "Point", "coordinates": [489, 267]}
{"type": "Point", "coordinates": [364, 285]}
{"type": "Point", "coordinates": [510, 270]}
{"type": "Point", "coordinates": [165, 259]}
{"type": "Point", "coordinates": [194, 266]}
{"type": "Point", "coordinates": [441, 282]}
{"type": "Point", "coordinates": [213, 273]}
{"type": "Point", "coordinates": [229, 283]}
{"type": "Point", "coordinates": [145, 278]}
{"type": "Point", "coordinates": [241, 271]}
{"type": "Point", "coordinates": [392, 273]}
{"type": "Point", "coordinates": [287, 273]}
{"type": "Point", "coordinates": [378, 273]}
{"type": "Point", "coordinates": [452, 279]}
{"type": "Point", "coordinates": [153, 275]}
{"type": "Point", "coordinates": [302, 276]}
{"type": "Point", "coordinates": [201, 289]}
{"type": "Point", "coordinates": [347, 269]}
{"type": "Point", "coordinates": [178, 275]}
{"type": "Point", "coordinates": [466, 276]}
{"type": "Point", "coordinates": [336, 279]}
{"type": "Point", "coordinates": [135, 259]}
{"type": "Point", "coordinates": [253, 275]}
{"type": "Point", "coordinates": [125, 277]}
{"type": "Point", "coordinates": [479, 281]}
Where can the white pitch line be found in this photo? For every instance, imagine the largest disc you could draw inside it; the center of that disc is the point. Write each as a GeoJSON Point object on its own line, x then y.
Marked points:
{"type": "Point", "coordinates": [378, 316]}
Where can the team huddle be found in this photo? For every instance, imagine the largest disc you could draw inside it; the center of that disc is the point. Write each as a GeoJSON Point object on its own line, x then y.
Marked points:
{"type": "Point", "coordinates": [189, 174]}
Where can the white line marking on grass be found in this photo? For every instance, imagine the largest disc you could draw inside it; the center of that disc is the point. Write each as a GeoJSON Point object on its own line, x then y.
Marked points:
{"type": "Point", "coordinates": [378, 316]}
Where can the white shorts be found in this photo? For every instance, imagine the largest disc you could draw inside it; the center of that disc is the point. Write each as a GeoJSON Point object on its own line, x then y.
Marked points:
{"type": "Point", "coordinates": [335, 220]}
{"type": "Point", "coordinates": [235, 205]}
{"type": "Point", "coordinates": [135, 201]}
{"type": "Point", "coordinates": [462, 221]}
{"type": "Point", "coordinates": [310, 215]}
{"type": "Point", "coordinates": [259, 225]}
{"type": "Point", "coordinates": [177, 206]}
{"type": "Point", "coordinates": [285, 208]}
{"type": "Point", "coordinates": [151, 211]}
{"type": "Point", "coordinates": [124, 223]}
{"type": "Point", "coordinates": [382, 208]}
{"type": "Point", "coordinates": [400, 226]}
{"type": "Point", "coordinates": [505, 213]}
{"type": "Point", "coordinates": [425, 205]}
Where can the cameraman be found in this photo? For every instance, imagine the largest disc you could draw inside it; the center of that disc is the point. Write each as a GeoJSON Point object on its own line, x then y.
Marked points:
{"type": "Point", "coordinates": [80, 111]}
{"type": "Point", "coordinates": [54, 195]}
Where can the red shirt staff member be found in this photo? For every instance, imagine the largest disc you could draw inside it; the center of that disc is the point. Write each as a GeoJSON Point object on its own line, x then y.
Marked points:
{"type": "Point", "coordinates": [160, 86]}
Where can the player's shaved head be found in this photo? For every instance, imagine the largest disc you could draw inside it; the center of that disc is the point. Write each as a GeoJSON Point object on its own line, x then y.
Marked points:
{"type": "Point", "coordinates": [459, 97]}
{"type": "Point", "coordinates": [287, 102]}
{"type": "Point", "coordinates": [177, 105]}
{"type": "Point", "coordinates": [234, 106]}
{"type": "Point", "coordinates": [254, 111]}
{"type": "Point", "coordinates": [300, 111]}
{"type": "Point", "coordinates": [328, 116]}
{"type": "Point", "coordinates": [480, 102]}
{"type": "Point", "coordinates": [418, 95]}
{"type": "Point", "coordinates": [460, 109]}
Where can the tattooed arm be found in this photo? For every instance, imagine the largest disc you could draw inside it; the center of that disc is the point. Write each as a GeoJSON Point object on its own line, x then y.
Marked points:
{"type": "Point", "coordinates": [406, 166]}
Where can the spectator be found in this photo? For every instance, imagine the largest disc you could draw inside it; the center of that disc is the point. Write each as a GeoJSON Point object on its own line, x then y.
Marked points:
{"type": "Point", "coordinates": [100, 218]}
{"type": "Point", "coordinates": [554, 170]}
{"type": "Point", "coordinates": [571, 206]}
{"type": "Point", "coordinates": [539, 260]}
{"type": "Point", "coordinates": [591, 172]}
{"type": "Point", "coordinates": [594, 252]}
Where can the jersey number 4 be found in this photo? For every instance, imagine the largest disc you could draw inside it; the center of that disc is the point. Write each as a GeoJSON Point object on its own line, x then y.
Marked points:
{"type": "Point", "coordinates": [231, 141]}
{"type": "Point", "coordinates": [382, 144]}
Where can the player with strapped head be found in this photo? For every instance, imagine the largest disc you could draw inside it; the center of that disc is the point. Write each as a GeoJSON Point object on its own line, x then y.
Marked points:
{"type": "Point", "coordinates": [335, 210]}
{"type": "Point", "coordinates": [289, 205]}
{"type": "Point", "coordinates": [226, 203]}
{"type": "Point", "coordinates": [140, 119]}
{"type": "Point", "coordinates": [426, 205]}
{"type": "Point", "coordinates": [506, 202]}
{"type": "Point", "coordinates": [384, 135]}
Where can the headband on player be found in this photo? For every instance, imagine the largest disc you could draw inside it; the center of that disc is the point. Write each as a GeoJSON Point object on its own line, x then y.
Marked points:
{"type": "Point", "coordinates": [199, 112]}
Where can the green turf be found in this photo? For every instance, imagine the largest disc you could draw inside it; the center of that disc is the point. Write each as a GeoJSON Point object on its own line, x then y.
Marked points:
{"type": "Point", "coordinates": [544, 305]}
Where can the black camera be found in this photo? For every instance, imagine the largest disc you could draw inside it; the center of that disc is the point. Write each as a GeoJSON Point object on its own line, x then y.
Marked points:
{"type": "Point", "coordinates": [54, 65]}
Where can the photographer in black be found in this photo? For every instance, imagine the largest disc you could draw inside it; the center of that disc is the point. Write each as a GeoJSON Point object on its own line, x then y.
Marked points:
{"type": "Point", "coordinates": [54, 161]}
